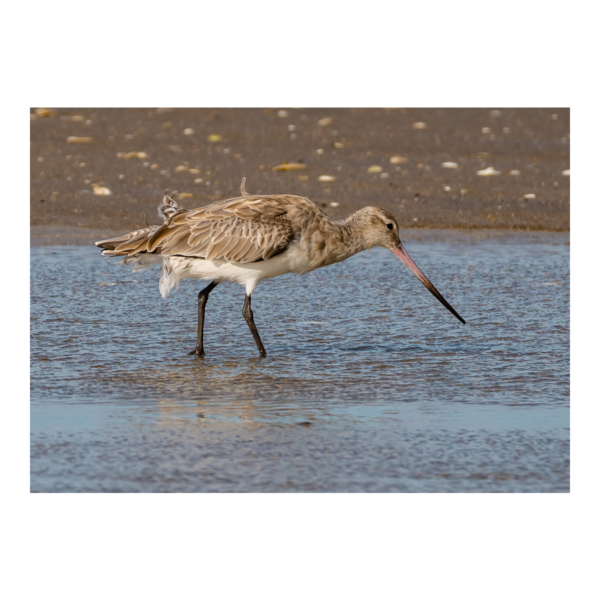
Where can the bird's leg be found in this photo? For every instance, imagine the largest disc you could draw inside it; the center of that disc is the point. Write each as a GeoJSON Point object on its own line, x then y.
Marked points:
{"type": "Point", "coordinates": [202, 300]}
{"type": "Point", "coordinates": [249, 316]}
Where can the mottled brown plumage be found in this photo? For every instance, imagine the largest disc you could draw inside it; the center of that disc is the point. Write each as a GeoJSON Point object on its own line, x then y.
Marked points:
{"type": "Point", "coordinates": [252, 237]}
{"type": "Point", "coordinates": [245, 230]}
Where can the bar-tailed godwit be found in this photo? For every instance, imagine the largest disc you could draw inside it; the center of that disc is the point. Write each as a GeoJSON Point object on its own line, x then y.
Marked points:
{"type": "Point", "coordinates": [247, 239]}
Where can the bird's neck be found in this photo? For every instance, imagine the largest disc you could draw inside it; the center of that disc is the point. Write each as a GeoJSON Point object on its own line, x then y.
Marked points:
{"type": "Point", "coordinates": [326, 241]}
{"type": "Point", "coordinates": [349, 233]}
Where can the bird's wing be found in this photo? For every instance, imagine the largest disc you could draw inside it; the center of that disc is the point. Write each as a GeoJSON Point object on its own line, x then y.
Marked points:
{"type": "Point", "coordinates": [245, 229]}
{"type": "Point", "coordinates": [242, 230]}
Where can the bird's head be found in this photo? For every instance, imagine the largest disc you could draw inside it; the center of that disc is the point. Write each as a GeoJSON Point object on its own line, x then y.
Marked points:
{"type": "Point", "coordinates": [379, 228]}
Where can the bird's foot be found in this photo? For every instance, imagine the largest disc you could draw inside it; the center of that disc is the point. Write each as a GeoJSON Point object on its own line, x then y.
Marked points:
{"type": "Point", "coordinates": [197, 351]}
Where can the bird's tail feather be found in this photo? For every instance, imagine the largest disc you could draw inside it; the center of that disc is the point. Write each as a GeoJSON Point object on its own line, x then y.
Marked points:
{"type": "Point", "coordinates": [130, 243]}
{"type": "Point", "coordinates": [137, 241]}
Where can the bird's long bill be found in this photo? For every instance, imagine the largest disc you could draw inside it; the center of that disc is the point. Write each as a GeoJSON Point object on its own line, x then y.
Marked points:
{"type": "Point", "coordinates": [402, 254]}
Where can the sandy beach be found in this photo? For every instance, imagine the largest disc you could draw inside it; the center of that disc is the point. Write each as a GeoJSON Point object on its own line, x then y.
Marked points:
{"type": "Point", "coordinates": [95, 172]}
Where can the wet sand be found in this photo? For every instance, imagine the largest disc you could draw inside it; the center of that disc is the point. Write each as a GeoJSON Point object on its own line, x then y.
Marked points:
{"type": "Point", "coordinates": [175, 152]}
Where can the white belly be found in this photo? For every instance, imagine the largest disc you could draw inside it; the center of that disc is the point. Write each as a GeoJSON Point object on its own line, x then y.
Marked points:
{"type": "Point", "coordinates": [249, 275]}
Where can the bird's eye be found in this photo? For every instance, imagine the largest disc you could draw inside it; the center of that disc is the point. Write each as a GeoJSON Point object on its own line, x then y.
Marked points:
{"type": "Point", "coordinates": [390, 226]}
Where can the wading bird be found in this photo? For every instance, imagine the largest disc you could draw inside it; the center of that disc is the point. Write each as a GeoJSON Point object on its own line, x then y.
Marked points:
{"type": "Point", "coordinates": [247, 239]}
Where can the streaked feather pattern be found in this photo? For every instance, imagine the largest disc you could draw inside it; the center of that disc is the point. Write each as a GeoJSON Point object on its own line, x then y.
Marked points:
{"type": "Point", "coordinates": [242, 230]}
{"type": "Point", "coordinates": [242, 239]}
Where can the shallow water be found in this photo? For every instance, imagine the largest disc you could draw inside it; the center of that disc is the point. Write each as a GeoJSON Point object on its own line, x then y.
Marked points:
{"type": "Point", "coordinates": [369, 385]}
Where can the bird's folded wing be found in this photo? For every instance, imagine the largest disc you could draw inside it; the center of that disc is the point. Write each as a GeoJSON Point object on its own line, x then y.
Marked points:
{"type": "Point", "coordinates": [243, 230]}
{"type": "Point", "coordinates": [232, 239]}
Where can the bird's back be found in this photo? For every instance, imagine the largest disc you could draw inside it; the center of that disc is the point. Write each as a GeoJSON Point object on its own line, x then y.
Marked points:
{"type": "Point", "coordinates": [246, 229]}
